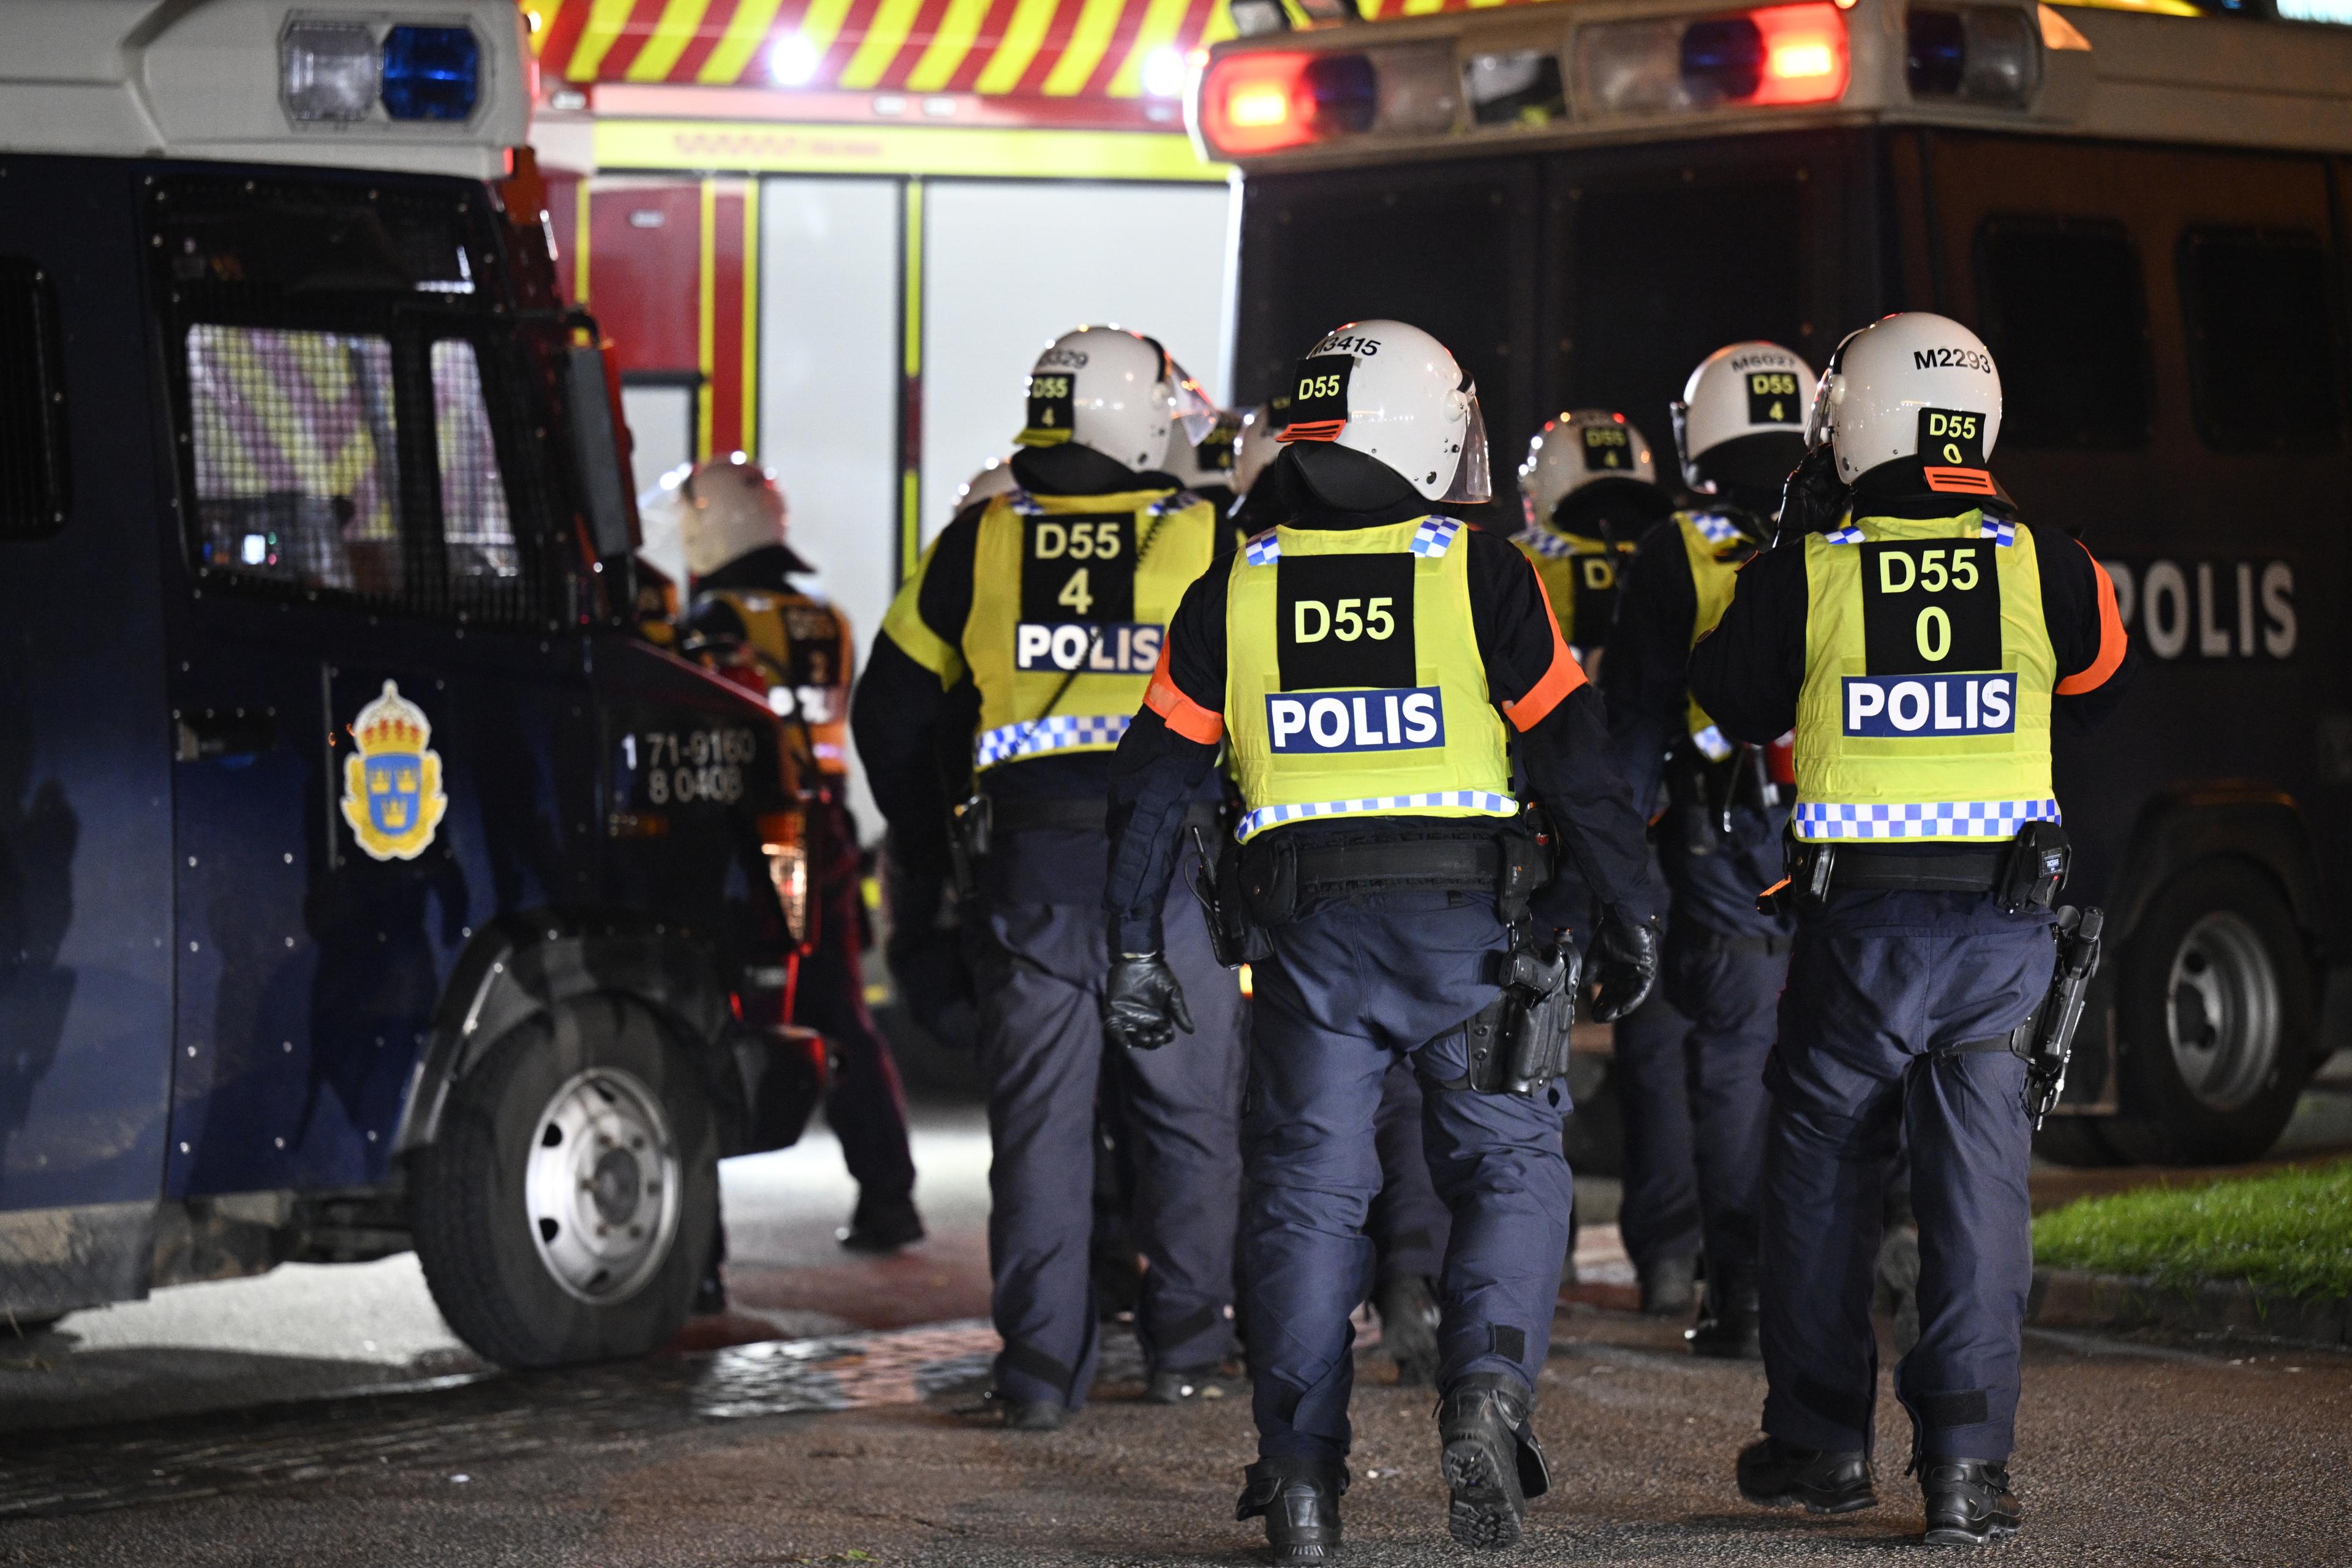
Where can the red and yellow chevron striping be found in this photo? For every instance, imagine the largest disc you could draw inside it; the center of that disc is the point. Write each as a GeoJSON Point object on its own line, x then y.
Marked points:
{"type": "Point", "coordinates": [1027, 48]}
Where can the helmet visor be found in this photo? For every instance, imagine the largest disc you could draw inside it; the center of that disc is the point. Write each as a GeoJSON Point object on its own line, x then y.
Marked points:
{"type": "Point", "coordinates": [1474, 478]}
{"type": "Point", "coordinates": [1192, 407]}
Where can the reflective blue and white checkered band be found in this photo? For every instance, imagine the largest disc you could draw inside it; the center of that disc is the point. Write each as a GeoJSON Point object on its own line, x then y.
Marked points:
{"type": "Point", "coordinates": [1845, 533]}
{"type": "Point", "coordinates": [1263, 550]}
{"type": "Point", "coordinates": [2001, 533]}
{"type": "Point", "coordinates": [1027, 504]}
{"type": "Point", "coordinates": [1008, 742]}
{"type": "Point", "coordinates": [1938, 819]}
{"type": "Point", "coordinates": [1710, 740]}
{"type": "Point", "coordinates": [1715, 528]}
{"type": "Point", "coordinates": [1434, 537]}
{"type": "Point", "coordinates": [1545, 542]}
{"type": "Point", "coordinates": [1477, 800]}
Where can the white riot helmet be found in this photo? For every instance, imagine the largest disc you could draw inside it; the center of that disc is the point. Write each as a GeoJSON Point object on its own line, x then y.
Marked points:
{"type": "Point", "coordinates": [1396, 394]}
{"type": "Point", "coordinates": [1579, 449]}
{"type": "Point", "coordinates": [732, 507]}
{"type": "Point", "coordinates": [1913, 384]}
{"type": "Point", "coordinates": [1208, 460]}
{"type": "Point", "coordinates": [995, 479]}
{"type": "Point", "coordinates": [1113, 392]}
{"type": "Point", "coordinates": [1741, 420]}
{"type": "Point", "coordinates": [1254, 447]}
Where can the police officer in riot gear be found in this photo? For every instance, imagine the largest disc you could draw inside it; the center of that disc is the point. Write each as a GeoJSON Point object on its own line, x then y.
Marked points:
{"type": "Point", "coordinates": [1920, 644]}
{"type": "Point", "coordinates": [1591, 491]}
{"type": "Point", "coordinates": [1206, 466]}
{"type": "Point", "coordinates": [755, 622]}
{"type": "Point", "coordinates": [1407, 1221]}
{"type": "Point", "coordinates": [1031, 628]}
{"type": "Point", "coordinates": [1690, 1069]}
{"type": "Point", "coordinates": [1379, 667]}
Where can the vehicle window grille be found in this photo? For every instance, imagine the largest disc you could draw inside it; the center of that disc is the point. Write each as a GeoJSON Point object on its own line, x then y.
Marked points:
{"type": "Point", "coordinates": [361, 416]}
{"type": "Point", "coordinates": [33, 467]}
{"type": "Point", "coordinates": [2064, 309]}
{"type": "Point", "coordinates": [2264, 348]}
{"type": "Point", "coordinates": [297, 455]}
{"type": "Point", "coordinates": [475, 527]}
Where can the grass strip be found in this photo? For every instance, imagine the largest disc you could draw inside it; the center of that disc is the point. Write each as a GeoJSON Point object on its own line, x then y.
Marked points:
{"type": "Point", "coordinates": [2287, 1232]}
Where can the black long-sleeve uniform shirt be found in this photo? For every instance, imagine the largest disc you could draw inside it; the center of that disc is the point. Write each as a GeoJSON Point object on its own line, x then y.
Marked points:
{"type": "Point", "coordinates": [1646, 679]}
{"type": "Point", "coordinates": [1562, 750]}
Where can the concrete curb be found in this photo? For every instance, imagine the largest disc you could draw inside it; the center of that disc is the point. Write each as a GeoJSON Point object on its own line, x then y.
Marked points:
{"type": "Point", "coordinates": [2070, 1299]}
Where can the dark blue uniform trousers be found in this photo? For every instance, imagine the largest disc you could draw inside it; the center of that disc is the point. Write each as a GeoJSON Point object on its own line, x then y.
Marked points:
{"type": "Point", "coordinates": [1863, 1060]}
{"type": "Point", "coordinates": [863, 1102]}
{"type": "Point", "coordinates": [1658, 1215]}
{"type": "Point", "coordinates": [1408, 1224]}
{"type": "Point", "coordinates": [1042, 1048]}
{"type": "Point", "coordinates": [1352, 987]}
{"type": "Point", "coordinates": [1729, 987]}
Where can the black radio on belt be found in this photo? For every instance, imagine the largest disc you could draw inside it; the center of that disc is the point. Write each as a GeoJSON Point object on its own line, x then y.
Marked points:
{"type": "Point", "coordinates": [2038, 862]}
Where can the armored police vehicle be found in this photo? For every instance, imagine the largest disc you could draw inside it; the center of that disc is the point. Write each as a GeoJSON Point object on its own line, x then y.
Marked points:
{"type": "Point", "coordinates": [364, 882]}
{"type": "Point", "coordinates": [2144, 216]}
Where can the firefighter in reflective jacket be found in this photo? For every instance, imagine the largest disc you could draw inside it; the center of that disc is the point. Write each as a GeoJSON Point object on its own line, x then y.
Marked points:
{"type": "Point", "coordinates": [1026, 638]}
{"type": "Point", "coordinates": [1378, 668]}
{"type": "Point", "coordinates": [1920, 645]}
{"type": "Point", "coordinates": [1591, 491]}
{"type": "Point", "coordinates": [753, 622]}
{"type": "Point", "coordinates": [1689, 1067]}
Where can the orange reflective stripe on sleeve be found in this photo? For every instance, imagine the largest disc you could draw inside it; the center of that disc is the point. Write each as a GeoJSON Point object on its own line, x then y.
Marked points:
{"type": "Point", "coordinates": [1564, 675]}
{"type": "Point", "coordinates": [1180, 712]}
{"type": "Point", "coordinates": [2112, 639]}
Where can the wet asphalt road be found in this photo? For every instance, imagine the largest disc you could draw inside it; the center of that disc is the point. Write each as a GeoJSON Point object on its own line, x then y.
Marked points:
{"type": "Point", "coordinates": [2133, 1453]}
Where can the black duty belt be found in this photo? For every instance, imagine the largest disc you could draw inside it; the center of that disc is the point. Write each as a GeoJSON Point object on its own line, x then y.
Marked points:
{"type": "Point", "coordinates": [1953, 871]}
{"type": "Point", "coordinates": [1430, 865]}
{"type": "Point", "coordinates": [1074, 814]}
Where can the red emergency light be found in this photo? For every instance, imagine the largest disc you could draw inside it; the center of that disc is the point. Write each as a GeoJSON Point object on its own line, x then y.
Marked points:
{"type": "Point", "coordinates": [1780, 54]}
{"type": "Point", "coordinates": [1252, 103]}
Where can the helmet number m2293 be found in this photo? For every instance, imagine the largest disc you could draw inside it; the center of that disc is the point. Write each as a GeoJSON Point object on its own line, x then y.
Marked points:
{"type": "Point", "coordinates": [1344, 621]}
{"type": "Point", "coordinates": [1772, 398]}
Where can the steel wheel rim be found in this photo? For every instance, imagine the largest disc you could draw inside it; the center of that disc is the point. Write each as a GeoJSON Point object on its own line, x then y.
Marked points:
{"type": "Point", "coordinates": [602, 1185]}
{"type": "Point", "coordinates": [2223, 1011]}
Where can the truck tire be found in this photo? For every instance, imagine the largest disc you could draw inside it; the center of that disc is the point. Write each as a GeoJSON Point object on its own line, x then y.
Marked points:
{"type": "Point", "coordinates": [2217, 1008]}
{"type": "Point", "coordinates": [565, 1211]}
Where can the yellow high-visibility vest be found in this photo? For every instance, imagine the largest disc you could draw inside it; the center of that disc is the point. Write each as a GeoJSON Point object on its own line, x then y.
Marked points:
{"type": "Point", "coordinates": [1715, 549]}
{"type": "Point", "coordinates": [801, 646]}
{"type": "Point", "coordinates": [1354, 686]}
{"type": "Point", "coordinates": [1580, 578]}
{"type": "Point", "coordinates": [1071, 599]}
{"type": "Point", "coordinates": [1928, 671]}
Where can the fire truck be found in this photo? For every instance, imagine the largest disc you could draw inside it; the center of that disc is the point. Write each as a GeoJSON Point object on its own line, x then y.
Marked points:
{"type": "Point", "coordinates": [2142, 212]}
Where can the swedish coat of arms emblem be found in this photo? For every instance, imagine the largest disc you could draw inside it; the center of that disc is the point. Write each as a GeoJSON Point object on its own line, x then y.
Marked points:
{"type": "Point", "coordinates": [392, 781]}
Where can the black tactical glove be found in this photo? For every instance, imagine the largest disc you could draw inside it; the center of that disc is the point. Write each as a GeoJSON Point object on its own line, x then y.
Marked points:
{"type": "Point", "coordinates": [1142, 1005]}
{"type": "Point", "coordinates": [1814, 499]}
{"type": "Point", "coordinates": [1622, 967]}
{"type": "Point", "coordinates": [926, 955]}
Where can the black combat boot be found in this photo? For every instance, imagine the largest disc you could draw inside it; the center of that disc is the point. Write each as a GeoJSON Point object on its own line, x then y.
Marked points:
{"type": "Point", "coordinates": [1409, 1327]}
{"type": "Point", "coordinates": [1492, 1461]}
{"type": "Point", "coordinates": [1299, 1500]}
{"type": "Point", "coordinates": [1670, 1286]}
{"type": "Point", "coordinates": [882, 1224]}
{"type": "Point", "coordinates": [1968, 1501]}
{"type": "Point", "coordinates": [1773, 1472]}
{"type": "Point", "coordinates": [1729, 1325]}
